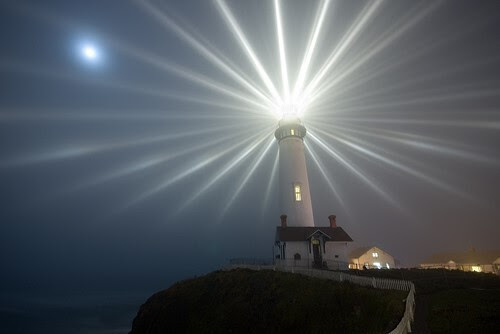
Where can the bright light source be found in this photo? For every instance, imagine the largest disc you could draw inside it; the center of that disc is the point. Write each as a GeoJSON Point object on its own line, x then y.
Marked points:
{"type": "Point", "coordinates": [289, 109]}
{"type": "Point", "coordinates": [89, 52]}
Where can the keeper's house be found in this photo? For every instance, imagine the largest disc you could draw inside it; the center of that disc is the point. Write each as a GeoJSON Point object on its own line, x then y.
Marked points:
{"type": "Point", "coordinates": [310, 246]}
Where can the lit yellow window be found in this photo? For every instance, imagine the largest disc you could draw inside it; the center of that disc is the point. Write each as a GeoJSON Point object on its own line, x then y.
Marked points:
{"type": "Point", "coordinates": [292, 131]}
{"type": "Point", "coordinates": [298, 193]}
{"type": "Point", "coordinates": [375, 254]}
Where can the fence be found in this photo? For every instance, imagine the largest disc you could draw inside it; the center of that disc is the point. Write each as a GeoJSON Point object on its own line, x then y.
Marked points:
{"type": "Point", "coordinates": [307, 263]}
{"type": "Point", "coordinates": [404, 325]}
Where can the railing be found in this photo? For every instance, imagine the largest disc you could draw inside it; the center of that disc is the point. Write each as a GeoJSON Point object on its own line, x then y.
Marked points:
{"type": "Point", "coordinates": [307, 263]}
{"type": "Point", "coordinates": [404, 325]}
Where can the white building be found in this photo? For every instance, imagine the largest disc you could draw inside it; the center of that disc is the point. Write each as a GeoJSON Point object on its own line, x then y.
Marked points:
{"type": "Point", "coordinates": [470, 260]}
{"type": "Point", "coordinates": [298, 241]}
{"type": "Point", "coordinates": [370, 257]}
{"type": "Point", "coordinates": [308, 246]}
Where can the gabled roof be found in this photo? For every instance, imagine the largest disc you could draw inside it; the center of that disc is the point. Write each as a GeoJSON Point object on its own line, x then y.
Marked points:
{"type": "Point", "coordinates": [296, 233]}
{"type": "Point", "coordinates": [468, 257]}
{"type": "Point", "coordinates": [355, 253]}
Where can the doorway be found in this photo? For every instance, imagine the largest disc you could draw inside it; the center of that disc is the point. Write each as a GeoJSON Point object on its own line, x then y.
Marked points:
{"type": "Point", "coordinates": [316, 253]}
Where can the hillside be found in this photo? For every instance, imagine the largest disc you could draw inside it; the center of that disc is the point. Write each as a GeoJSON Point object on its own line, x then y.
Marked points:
{"type": "Point", "coordinates": [451, 301]}
{"type": "Point", "coordinates": [245, 301]}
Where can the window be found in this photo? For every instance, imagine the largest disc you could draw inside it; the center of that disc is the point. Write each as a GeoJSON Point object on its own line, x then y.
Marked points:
{"type": "Point", "coordinates": [374, 254]}
{"type": "Point", "coordinates": [387, 265]}
{"type": "Point", "coordinates": [296, 256]}
{"type": "Point", "coordinates": [292, 132]}
{"type": "Point", "coordinates": [377, 264]}
{"type": "Point", "coordinates": [298, 193]}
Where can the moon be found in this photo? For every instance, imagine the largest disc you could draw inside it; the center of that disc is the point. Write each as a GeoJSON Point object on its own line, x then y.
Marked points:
{"type": "Point", "coordinates": [89, 52]}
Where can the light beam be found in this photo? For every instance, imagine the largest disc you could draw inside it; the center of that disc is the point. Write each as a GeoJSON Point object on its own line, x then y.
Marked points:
{"type": "Point", "coordinates": [231, 21]}
{"type": "Point", "coordinates": [281, 44]}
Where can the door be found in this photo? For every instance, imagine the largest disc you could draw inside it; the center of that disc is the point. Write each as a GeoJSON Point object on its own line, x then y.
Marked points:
{"type": "Point", "coordinates": [316, 253]}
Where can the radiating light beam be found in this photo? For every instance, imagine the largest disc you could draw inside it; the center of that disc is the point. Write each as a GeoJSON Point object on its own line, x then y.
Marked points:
{"type": "Point", "coordinates": [358, 26]}
{"type": "Point", "coordinates": [420, 142]}
{"type": "Point", "coordinates": [247, 177]}
{"type": "Point", "coordinates": [231, 21]}
{"type": "Point", "coordinates": [238, 159]}
{"type": "Point", "coordinates": [20, 67]}
{"type": "Point", "coordinates": [377, 47]}
{"type": "Point", "coordinates": [325, 176]}
{"type": "Point", "coordinates": [353, 169]}
{"type": "Point", "coordinates": [185, 73]}
{"type": "Point", "coordinates": [271, 183]}
{"type": "Point", "coordinates": [150, 162]}
{"type": "Point", "coordinates": [77, 151]}
{"type": "Point", "coordinates": [311, 47]}
{"type": "Point", "coordinates": [281, 44]}
{"type": "Point", "coordinates": [203, 50]}
{"type": "Point", "coordinates": [49, 17]}
{"type": "Point", "coordinates": [433, 181]}
{"type": "Point", "coordinates": [187, 172]}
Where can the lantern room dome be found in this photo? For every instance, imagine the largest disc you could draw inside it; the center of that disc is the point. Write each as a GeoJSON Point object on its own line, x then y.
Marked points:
{"type": "Point", "coordinates": [290, 127]}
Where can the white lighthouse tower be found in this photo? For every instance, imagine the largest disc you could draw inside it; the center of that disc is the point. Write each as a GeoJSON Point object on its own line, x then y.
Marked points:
{"type": "Point", "coordinates": [295, 197]}
{"type": "Point", "coordinates": [298, 242]}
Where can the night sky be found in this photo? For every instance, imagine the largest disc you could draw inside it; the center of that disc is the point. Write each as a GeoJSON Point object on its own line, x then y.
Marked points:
{"type": "Point", "coordinates": [133, 154]}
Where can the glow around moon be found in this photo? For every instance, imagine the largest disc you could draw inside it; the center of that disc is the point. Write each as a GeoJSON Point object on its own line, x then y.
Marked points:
{"type": "Point", "coordinates": [89, 52]}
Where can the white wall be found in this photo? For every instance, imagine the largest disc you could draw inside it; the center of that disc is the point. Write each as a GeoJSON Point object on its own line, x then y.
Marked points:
{"type": "Point", "coordinates": [336, 248]}
{"type": "Point", "coordinates": [331, 249]}
{"type": "Point", "coordinates": [301, 247]}
{"type": "Point", "coordinates": [292, 170]}
{"type": "Point", "coordinates": [383, 258]}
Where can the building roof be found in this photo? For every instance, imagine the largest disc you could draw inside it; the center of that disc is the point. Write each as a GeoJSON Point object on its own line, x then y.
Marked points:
{"type": "Point", "coordinates": [296, 233]}
{"type": "Point", "coordinates": [470, 256]}
{"type": "Point", "coordinates": [355, 253]}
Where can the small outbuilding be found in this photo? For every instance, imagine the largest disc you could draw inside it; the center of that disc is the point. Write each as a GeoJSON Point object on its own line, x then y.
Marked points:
{"type": "Point", "coordinates": [371, 257]}
{"type": "Point", "coordinates": [310, 246]}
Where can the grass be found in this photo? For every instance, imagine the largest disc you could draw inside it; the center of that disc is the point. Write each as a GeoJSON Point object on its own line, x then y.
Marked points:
{"type": "Point", "coordinates": [271, 302]}
{"type": "Point", "coordinates": [458, 302]}
{"type": "Point", "coordinates": [465, 311]}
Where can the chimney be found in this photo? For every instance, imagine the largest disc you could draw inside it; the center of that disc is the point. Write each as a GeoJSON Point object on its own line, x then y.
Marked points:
{"type": "Point", "coordinates": [333, 220]}
{"type": "Point", "coordinates": [283, 221]}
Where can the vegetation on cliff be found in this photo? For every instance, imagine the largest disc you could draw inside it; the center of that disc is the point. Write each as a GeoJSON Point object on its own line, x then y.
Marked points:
{"type": "Point", "coordinates": [245, 301]}
{"type": "Point", "coordinates": [451, 301]}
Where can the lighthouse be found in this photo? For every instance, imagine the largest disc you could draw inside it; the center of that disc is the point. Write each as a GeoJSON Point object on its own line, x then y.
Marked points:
{"type": "Point", "coordinates": [299, 242]}
{"type": "Point", "coordinates": [295, 197]}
